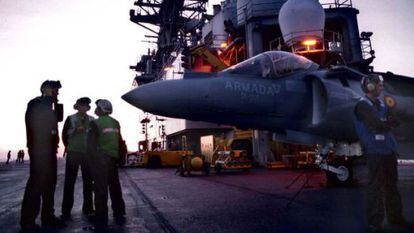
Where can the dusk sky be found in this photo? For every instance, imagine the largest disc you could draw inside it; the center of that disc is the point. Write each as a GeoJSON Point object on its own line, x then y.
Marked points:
{"type": "Point", "coordinates": [89, 46]}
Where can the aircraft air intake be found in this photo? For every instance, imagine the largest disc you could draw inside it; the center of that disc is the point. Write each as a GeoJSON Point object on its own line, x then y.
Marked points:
{"type": "Point", "coordinates": [319, 101]}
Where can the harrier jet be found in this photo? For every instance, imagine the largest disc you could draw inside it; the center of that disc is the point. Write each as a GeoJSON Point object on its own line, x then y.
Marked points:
{"type": "Point", "coordinates": [280, 92]}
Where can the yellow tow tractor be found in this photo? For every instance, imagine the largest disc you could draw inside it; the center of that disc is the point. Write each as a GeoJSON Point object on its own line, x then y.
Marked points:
{"type": "Point", "coordinates": [156, 159]}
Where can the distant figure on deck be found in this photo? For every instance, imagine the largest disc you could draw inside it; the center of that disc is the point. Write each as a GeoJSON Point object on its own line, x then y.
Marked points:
{"type": "Point", "coordinates": [42, 116]}
{"type": "Point", "coordinates": [22, 156]}
{"type": "Point", "coordinates": [19, 158]}
{"type": "Point", "coordinates": [8, 157]}
{"type": "Point", "coordinates": [105, 144]}
{"type": "Point", "coordinates": [74, 137]}
{"type": "Point", "coordinates": [19, 154]}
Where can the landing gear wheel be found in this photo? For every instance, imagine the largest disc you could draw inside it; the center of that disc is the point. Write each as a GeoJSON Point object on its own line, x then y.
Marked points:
{"type": "Point", "coordinates": [345, 174]}
{"type": "Point", "coordinates": [346, 178]}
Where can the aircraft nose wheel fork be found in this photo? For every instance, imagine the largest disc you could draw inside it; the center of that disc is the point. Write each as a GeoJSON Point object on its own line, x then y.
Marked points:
{"type": "Point", "coordinates": [338, 171]}
{"type": "Point", "coordinates": [338, 166]}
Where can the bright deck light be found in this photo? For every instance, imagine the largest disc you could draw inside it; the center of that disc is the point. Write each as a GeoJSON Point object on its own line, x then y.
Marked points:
{"type": "Point", "coordinates": [309, 42]}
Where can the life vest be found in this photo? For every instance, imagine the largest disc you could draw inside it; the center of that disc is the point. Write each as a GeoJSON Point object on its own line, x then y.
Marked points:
{"type": "Point", "coordinates": [375, 143]}
{"type": "Point", "coordinates": [109, 135]}
{"type": "Point", "coordinates": [77, 140]}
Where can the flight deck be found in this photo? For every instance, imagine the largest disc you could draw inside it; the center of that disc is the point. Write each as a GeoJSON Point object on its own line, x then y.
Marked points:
{"type": "Point", "coordinates": [261, 200]}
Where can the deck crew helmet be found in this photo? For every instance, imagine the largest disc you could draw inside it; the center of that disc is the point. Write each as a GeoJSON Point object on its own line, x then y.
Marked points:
{"type": "Point", "coordinates": [104, 105]}
{"type": "Point", "coordinates": [84, 101]}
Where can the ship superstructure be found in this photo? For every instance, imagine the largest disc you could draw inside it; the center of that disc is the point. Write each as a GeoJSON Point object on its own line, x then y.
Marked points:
{"type": "Point", "coordinates": [240, 29]}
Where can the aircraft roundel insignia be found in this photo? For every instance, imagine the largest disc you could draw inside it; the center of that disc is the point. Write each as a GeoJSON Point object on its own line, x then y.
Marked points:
{"type": "Point", "coordinates": [390, 101]}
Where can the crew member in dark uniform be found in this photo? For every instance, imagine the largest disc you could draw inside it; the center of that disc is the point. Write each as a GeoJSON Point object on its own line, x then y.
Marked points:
{"type": "Point", "coordinates": [8, 157]}
{"type": "Point", "coordinates": [105, 144]}
{"type": "Point", "coordinates": [74, 137]}
{"type": "Point", "coordinates": [374, 122]}
{"type": "Point", "coordinates": [42, 116]}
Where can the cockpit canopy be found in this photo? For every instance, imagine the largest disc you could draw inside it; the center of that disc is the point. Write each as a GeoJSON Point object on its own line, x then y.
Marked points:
{"type": "Point", "coordinates": [273, 64]}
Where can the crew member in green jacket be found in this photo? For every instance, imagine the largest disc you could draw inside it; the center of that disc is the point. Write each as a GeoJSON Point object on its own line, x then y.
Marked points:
{"type": "Point", "coordinates": [104, 143]}
{"type": "Point", "coordinates": [74, 137]}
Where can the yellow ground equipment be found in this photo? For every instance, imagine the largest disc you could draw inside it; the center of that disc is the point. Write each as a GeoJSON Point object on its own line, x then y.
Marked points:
{"type": "Point", "coordinates": [302, 159]}
{"type": "Point", "coordinates": [235, 159]}
{"type": "Point", "coordinates": [155, 159]}
{"type": "Point", "coordinates": [190, 163]}
{"type": "Point", "coordinates": [216, 152]}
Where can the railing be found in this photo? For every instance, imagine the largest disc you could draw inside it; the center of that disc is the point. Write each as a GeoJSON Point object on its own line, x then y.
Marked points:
{"type": "Point", "coordinates": [366, 46]}
{"type": "Point", "coordinates": [332, 41]}
{"type": "Point", "coordinates": [336, 3]}
{"type": "Point", "coordinates": [218, 39]}
{"type": "Point", "coordinates": [251, 9]}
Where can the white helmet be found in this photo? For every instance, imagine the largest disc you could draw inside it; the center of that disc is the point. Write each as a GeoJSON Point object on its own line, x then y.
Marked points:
{"type": "Point", "coordinates": [104, 105]}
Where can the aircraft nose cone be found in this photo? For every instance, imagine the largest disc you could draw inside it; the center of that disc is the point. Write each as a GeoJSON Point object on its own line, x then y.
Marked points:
{"type": "Point", "coordinates": [136, 97]}
{"type": "Point", "coordinates": [143, 97]}
{"type": "Point", "coordinates": [167, 98]}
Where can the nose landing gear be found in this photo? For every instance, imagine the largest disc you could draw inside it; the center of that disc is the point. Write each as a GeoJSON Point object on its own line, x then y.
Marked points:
{"type": "Point", "coordinates": [336, 160]}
